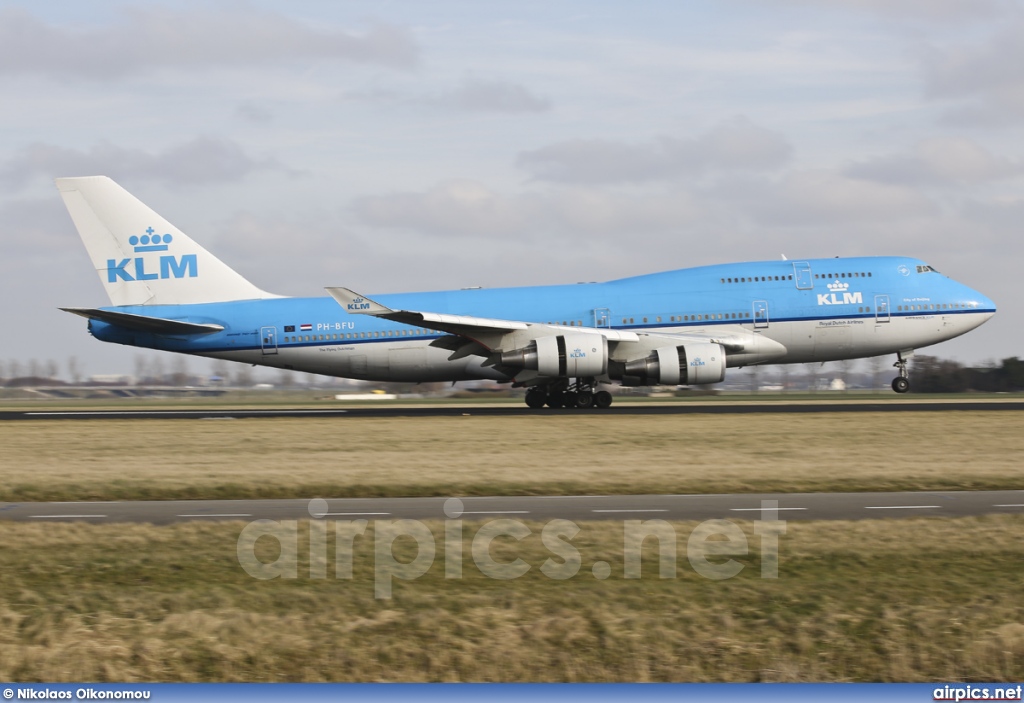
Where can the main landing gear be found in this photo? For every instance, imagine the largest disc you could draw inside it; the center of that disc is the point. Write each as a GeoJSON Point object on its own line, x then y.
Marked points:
{"type": "Point", "coordinates": [901, 384]}
{"type": "Point", "coordinates": [567, 394]}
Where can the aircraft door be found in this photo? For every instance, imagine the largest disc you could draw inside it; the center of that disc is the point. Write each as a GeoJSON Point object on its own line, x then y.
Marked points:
{"type": "Point", "coordinates": [802, 275]}
{"type": "Point", "coordinates": [881, 308]}
{"type": "Point", "coordinates": [760, 314]}
{"type": "Point", "coordinates": [268, 340]}
{"type": "Point", "coordinates": [602, 317]}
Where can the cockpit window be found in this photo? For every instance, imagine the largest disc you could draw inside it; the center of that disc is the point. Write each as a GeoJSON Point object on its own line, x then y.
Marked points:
{"type": "Point", "coordinates": [926, 269]}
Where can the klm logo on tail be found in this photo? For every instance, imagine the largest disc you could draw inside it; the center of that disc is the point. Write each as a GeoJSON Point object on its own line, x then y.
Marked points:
{"type": "Point", "coordinates": [167, 266]}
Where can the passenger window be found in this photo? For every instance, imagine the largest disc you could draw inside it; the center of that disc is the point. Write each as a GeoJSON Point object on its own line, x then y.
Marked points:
{"type": "Point", "coordinates": [657, 319]}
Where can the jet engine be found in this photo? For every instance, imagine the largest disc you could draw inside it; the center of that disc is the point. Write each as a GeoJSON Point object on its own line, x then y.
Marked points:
{"type": "Point", "coordinates": [689, 364]}
{"type": "Point", "coordinates": [563, 355]}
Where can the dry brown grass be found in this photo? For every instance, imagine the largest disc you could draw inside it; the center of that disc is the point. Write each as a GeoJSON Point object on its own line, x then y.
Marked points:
{"type": "Point", "coordinates": [908, 600]}
{"type": "Point", "coordinates": [358, 457]}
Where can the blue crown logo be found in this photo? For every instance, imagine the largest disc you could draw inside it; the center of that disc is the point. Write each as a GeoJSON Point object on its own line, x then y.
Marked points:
{"type": "Point", "coordinates": [150, 241]}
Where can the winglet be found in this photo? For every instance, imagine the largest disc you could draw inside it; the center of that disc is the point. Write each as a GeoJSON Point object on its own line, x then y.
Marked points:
{"type": "Point", "coordinates": [357, 304]}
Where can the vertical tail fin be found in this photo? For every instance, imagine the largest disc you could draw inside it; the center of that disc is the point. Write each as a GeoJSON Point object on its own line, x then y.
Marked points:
{"type": "Point", "coordinates": [141, 258]}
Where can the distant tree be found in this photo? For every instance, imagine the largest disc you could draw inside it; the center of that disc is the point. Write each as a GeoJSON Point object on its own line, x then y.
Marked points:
{"type": "Point", "coordinates": [812, 375]}
{"type": "Point", "coordinates": [930, 374]}
{"type": "Point", "coordinates": [141, 368]}
{"type": "Point", "coordinates": [1012, 374]}
{"type": "Point", "coordinates": [844, 373]}
{"type": "Point", "coordinates": [14, 368]}
{"type": "Point", "coordinates": [784, 376]}
{"type": "Point", "coordinates": [219, 371]}
{"type": "Point", "coordinates": [243, 376]}
{"type": "Point", "coordinates": [74, 370]}
{"type": "Point", "coordinates": [179, 371]}
{"type": "Point", "coordinates": [285, 378]}
{"type": "Point", "coordinates": [52, 370]}
{"type": "Point", "coordinates": [34, 368]}
{"type": "Point", "coordinates": [157, 371]}
{"type": "Point", "coordinates": [876, 364]}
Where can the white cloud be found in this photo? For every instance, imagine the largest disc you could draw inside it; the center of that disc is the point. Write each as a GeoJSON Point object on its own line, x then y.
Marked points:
{"type": "Point", "coordinates": [470, 209]}
{"type": "Point", "coordinates": [733, 145]}
{"type": "Point", "coordinates": [480, 95]}
{"type": "Point", "coordinates": [929, 10]}
{"type": "Point", "coordinates": [988, 74]}
{"type": "Point", "coordinates": [941, 160]}
{"type": "Point", "coordinates": [199, 161]}
{"type": "Point", "coordinates": [823, 198]}
{"type": "Point", "coordinates": [151, 37]}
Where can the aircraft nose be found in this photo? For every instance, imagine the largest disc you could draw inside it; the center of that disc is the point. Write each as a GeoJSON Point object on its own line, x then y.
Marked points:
{"type": "Point", "coordinates": [985, 305]}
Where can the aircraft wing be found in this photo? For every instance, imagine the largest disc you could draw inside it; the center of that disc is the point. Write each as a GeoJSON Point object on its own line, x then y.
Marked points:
{"type": "Point", "coordinates": [485, 331]}
{"type": "Point", "coordinates": [731, 342]}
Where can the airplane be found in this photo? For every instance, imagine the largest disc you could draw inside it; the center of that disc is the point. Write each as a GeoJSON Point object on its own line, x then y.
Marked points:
{"type": "Point", "coordinates": [560, 342]}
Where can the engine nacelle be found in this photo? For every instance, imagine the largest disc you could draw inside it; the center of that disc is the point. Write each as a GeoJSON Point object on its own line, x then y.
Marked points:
{"type": "Point", "coordinates": [563, 355]}
{"type": "Point", "coordinates": [686, 365]}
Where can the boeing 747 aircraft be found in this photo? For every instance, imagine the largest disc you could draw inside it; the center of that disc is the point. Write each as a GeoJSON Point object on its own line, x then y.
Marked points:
{"type": "Point", "coordinates": [683, 327]}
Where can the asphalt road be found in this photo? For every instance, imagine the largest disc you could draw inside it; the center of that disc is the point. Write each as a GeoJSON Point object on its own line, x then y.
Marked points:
{"type": "Point", "coordinates": [791, 506]}
{"type": "Point", "coordinates": [712, 408]}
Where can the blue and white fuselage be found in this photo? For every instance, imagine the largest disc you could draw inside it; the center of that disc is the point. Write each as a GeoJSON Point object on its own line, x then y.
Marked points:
{"type": "Point", "coordinates": [677, 326]}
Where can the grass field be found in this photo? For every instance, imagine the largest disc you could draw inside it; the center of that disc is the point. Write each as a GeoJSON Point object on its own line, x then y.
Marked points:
{"type": "Point", "coordinates": [907, 600]}
{"type": "Point", "coordinates": [553, 454]}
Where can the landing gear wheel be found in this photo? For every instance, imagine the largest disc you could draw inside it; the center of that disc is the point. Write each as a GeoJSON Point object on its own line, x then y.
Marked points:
{"type": "Point", "coordinates": [602, 400]}
{"type": "Point", "coordinates": [535, 398]}
{"type": "Point", "coordinates": [901, 384]}
{"type": "Point", "coordinates": [584, 399]}
{"type": "Point", "coordinates": [556, 399]}
{"type": "Point", "coordinates": [569, 399]}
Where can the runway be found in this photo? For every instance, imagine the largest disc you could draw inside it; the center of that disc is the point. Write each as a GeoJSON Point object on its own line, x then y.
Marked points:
{"type": "Point", "coordinates": [509, 410]}
{"type": "Point", "coordinates": [740, 506]}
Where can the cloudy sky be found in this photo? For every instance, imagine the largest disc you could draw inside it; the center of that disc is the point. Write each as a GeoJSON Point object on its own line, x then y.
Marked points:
{"type": "Point", "coordinates": [394, 146]}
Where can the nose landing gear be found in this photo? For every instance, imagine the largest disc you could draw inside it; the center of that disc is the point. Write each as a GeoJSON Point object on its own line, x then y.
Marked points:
{"type": "Point", "coordinates": [901, 384]}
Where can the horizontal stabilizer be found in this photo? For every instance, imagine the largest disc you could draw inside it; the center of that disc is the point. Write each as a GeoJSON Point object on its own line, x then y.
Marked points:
{"type": "Point", "coordinates": [143, 323]}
